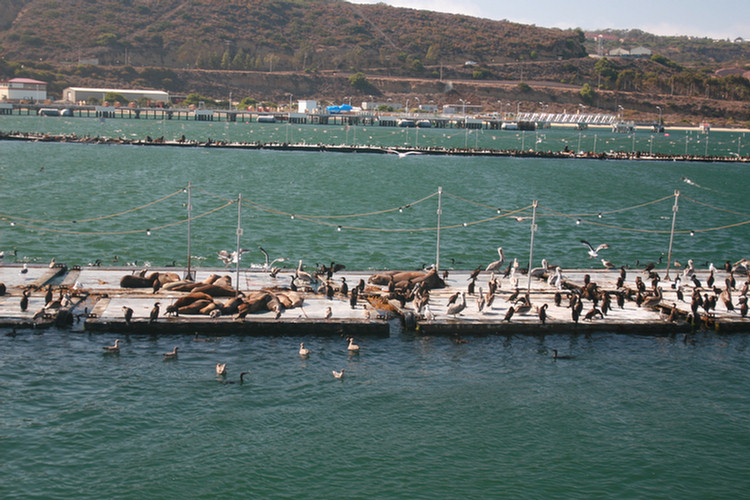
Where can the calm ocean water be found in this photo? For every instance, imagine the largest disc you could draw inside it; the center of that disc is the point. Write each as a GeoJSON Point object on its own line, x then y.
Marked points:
{"type": "Point", "coordinates": [627, 417]}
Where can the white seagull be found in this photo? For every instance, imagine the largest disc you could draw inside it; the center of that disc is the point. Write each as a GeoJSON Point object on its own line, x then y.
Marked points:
{"type": "Point", "coordinates": [338, 374]}
{"type": "Point", "coordinates": [594, 252]}
{"type": "Point", "coordinates": [303, 351]}
{"type": "Point", "coordinates": [403, 154]}
{"type": "Point", "coordinates": [112, 348]}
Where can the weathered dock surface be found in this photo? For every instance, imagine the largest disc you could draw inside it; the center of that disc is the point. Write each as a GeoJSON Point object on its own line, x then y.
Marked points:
{"type": "Point", "coordinates": [95, 302]}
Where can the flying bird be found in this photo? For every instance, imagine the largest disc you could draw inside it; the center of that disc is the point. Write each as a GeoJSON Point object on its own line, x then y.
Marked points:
{"type": "Point", "coordinates": [594, 252]}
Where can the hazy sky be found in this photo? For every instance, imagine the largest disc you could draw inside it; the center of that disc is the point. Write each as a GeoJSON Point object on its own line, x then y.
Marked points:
{"type": "Point", "coordinates": [705, 18]}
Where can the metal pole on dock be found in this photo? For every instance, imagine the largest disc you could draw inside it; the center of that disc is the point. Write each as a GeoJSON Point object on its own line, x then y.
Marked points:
{"type": "Point", "coordinates": [531, 246]}
{"type": "Point", "coordinates": [671, 232]}
{"type": "Point", "coordinates": [439, 213]}
{"type": "Point", "coordinates": [189, 222]}
{"type": "Point", "coordinates": [239, 234]}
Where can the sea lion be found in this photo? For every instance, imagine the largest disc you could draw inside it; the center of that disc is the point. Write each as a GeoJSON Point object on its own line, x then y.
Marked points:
{"type": "Point", "coordinates": [216, 291]}
{"type": "Point", "coordinates": [231, 306]}
{"type": "Point", "coordinates": [181, 286]}
{"type": "Point", "coordinates": [195, 307]}
{"type": "Point", "coordinates": [133, 281]}
{"type": "Point", "coordinates": [189, 299]}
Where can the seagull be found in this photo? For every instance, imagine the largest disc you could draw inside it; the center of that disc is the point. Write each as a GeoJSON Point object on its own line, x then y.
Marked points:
{"type": "Point", "coordinates": [329, 313]}
{"type": "Point", "coordinates": [221, 369]}
{"type": "Point", "coordinates": [303, 351]}
{"type": "Point", "coordinates": [496, 265]}
{"type": "Point", "coordinates": [338, 374]}
{"type": "Point", "coordinates": [170, 355]}
{"type": "Point", "coordinates": [268, 264]}
{"type": "Point", "coordinates": [112, 348]}
{"type": "Point", "coordinates": [24, 269]}
{"type": "Point", "coordinates": [403, 154]}
{"type": "Point", "coordinates": [592, 251]}
{"type": "Point", "coordinates": [607, 264]}
{"type": "Point", "coordinates": [352, 346]}
{"type": "Point", "coordinates": [52, 263]}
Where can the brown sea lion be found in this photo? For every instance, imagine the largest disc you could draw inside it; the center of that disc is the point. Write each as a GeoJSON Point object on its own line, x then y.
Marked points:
{"type": "Point", "coordinates": [133, 281]}
{"type": "Point", "coordinates": [195, 307]}
{"type": "Point", "coordinates": [181, 286]}
{"type": "Point", "coordinates": [216, 291]}
{"type": "Point", "coordinates": [189, 299]}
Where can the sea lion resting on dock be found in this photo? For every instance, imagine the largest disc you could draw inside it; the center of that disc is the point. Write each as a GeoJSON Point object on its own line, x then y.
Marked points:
{"type": "Point", "coordinates": [140, 281]}
{"type": "Point", "coordinates": [407, 279]}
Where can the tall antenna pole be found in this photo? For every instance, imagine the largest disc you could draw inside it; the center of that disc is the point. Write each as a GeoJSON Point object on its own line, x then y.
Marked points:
{"type": "Point", "coordinates": [671, 232]}
{"type": "Point", "coordinates": [531, 246]}
{"type": "Point", "coordinates": [239, 234]}
{"type": "Point", "coordinates": [189, 222]}
{"type": "Point", "coordinates": [439, 213]}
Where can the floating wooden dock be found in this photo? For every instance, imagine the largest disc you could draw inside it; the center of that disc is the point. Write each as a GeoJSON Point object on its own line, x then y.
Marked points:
{"type": "Point", "coordinates": [96, 301]}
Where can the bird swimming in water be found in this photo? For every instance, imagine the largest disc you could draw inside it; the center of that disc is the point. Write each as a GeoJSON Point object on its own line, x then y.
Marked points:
{"type": "Point", "coordinates": [338, 374]}
{"type": "Point", "coordinates": [240, 381]}
{"type": "Point", "coordinates": [221, 369]}
{"type": "Point", "coordinates": [171, 355]}
{"type": "Point", "coordinates": [303, 351]}
{"type": "Point", "coordinates": [112, 348]}
{"type": "Point", "coordinates": [352, 346]}
{"type": "Point", "coordinates": [594, 252]}
{"type": "Point", "coordinates": [559, 356]}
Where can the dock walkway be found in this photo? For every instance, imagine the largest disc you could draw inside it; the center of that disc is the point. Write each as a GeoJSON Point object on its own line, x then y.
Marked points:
{"type": "Point", "coordinates": [96, 304]}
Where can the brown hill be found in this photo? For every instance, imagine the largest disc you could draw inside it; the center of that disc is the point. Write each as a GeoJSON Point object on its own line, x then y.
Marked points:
{"type": "Point", "coordinates": [265, 34]}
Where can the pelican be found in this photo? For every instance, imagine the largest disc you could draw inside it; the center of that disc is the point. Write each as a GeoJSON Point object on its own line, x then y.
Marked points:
{"type": "Point", "coordinates": [303, 275]}
{"type": "Point", "coordinates": [496, 265]}
{"type": "Point", "coordinates": [170, 355]}
{"type": "Point", "coordinates": [52, 263]}
{"type": "Point", "coordinates": [538, 272]}
{"type": "Point", "coordinates": [221, 369]}
{"type": "Point", "coordinates": [594, 252]}
{"type": "Point", "coordinates": [338, 374]}
{"type": "Point", "coordinates": [456, 308]}
{"type": "Point", "coordinates": [112, 348]}
{"type": "Point", "coordinates": [303, 351]}
{"type": "Point", "coordinates": [352, 346]}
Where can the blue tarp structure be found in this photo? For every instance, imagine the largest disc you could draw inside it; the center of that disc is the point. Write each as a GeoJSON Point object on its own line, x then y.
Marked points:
{"type": "Point", "coordinates": [338, 109]}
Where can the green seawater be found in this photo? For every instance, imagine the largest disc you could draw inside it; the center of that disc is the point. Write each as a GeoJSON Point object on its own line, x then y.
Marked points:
{"type": "Point", "coordinates": [627, 417]}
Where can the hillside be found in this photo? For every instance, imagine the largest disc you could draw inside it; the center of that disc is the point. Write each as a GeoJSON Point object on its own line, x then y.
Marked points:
{"type": "Point", "coordinates": [300, 35]}
{"type": "Point", "coordinates": [269, 50]}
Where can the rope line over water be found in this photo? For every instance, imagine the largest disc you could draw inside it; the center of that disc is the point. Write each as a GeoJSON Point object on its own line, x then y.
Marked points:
{"type": "Point", "coordinates": [35, 224]}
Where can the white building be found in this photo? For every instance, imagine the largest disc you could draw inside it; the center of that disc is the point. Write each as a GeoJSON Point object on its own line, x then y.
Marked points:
{"type": "Point", "coordinates": [82, 94]}
{"type": "Point", "coordinates": [307, 106]}
{"type": "Point", "coordinates": [17, 89]}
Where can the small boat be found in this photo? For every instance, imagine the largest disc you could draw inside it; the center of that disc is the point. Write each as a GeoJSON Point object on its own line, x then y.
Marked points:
{"type": "Point", "coordinates": [509, 126]}
{"type": "Point", "coordinates": [266, 119]}
{"type": "Point", "coordinates": [406, 122]}
{"type": "Point", "coordinates": [424, 124]}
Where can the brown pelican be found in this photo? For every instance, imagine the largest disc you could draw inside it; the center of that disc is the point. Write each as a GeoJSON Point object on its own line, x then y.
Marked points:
{"type": "Point", "coordinates": [303, 275]}
{"type": "Point", "coordinates": [496, 265]}
{"type": "Point", "coordinates": [456, 308]}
